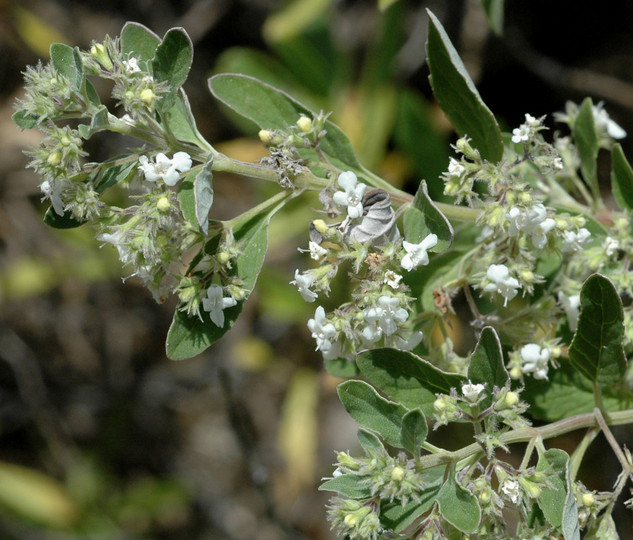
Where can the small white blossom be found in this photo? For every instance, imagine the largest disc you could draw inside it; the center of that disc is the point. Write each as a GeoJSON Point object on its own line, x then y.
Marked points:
{"type": "Point", "coordinates": [322, 331]}
{"type": "Point", "coordinates": [455, 168]}
{"type": "Point", "coordinates": [533, 222]}
{"type": "Point", "coordinates": [352, 197]}
{"type": "Point", "coordinates": [117, 239]}
{"type": "Point", "coordinates": [131, 66]}
{"type": "Point", "coordinates": [472, 391]}
{"type": "Point", "coordinates": [315, 250]}
{"type": "Point", "coordinates": [372, 332]}
{"type": "Point", "coordinates": [215, 303]}
{"type": "Point", "coordinates": [392, 279]}
{"type": "Point", "coordinates": [574, 241]}
{"type": "Point", "coordinates": [535, 359]}
{"type": "Point", "coordinates": [416, 254]}
{"type": "Point", "coordinates": [512, 490]}
{"type": "Point", "coordinates": [50, 190]}
{"type": "Point", "coordinates": [388, 313]}
{"type": "Point", "coordinates": [168, 170]}
{"type": "Point", "coordinates": [521, 134]}
{"type": "Point", "coordinates": [409, 344]}
{"type": "Point", "coordinates": [303, 283]}
{"type": "Point", "coordinates": [611, 246]}
{"type": "Point", "coordinates": [571, 305]}
{"type": "Point", "coordinates": [501, 282]}
{"type": "Point", "coordinates": [602, 120]}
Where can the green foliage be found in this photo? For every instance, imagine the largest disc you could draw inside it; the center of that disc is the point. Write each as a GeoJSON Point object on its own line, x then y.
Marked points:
{"type": "Point", "coordinates": [621, 178]}
{"type": "Point", "coordinates": [458, 505]}
{"type": "Point", "coordinates": [203, 195]}
{"type": "Point", "coordinates": [587, 140]}
{"type": "Point", "coordinates": [140, 42]}
{"type": "Point", "coordinates": [424, 218]}
{"type": "Point", "coordinates": [172, 62]}
{"type": "Point", "coordinates": [596, 350]}
{"type": "Point", "coordinates": [457, 95]}
{"type": "Point", "coordinates": [67, 61]}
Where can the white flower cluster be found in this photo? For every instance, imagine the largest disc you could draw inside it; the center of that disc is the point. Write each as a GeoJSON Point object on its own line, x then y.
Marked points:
{"type": "Point", "coordinates": [165, 169]}
{"type": "Point", "coordinates": [501, 282]}
{"type": "Point", "coordinates": [525, 131]}
{"type": "Point", "coordinates": [535, 360]}
{"type": "Point", "coordinates": [532, 222]}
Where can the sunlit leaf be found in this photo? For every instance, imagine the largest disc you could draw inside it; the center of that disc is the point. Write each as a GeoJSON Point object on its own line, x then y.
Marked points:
{"type": "Point", "coordinates": [458, 506]}
{"type": "Point", "coordinates": [596, 350]}
{"type": "Point", "coordinates": [139, 42]}
{"type": "Point", "coordinates": [67, 62]}
{"type": "Point", "coordinates": [370, 410]}
{"type": "Point", "coordinates": [457, 95]}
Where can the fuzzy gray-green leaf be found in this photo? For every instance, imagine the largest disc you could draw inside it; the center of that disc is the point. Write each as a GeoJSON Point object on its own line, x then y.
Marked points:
{"type": "Point", "coordinates": [203, 195]}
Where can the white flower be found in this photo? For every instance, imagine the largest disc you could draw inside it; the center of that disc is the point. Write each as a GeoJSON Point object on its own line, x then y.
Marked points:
{"type": "Point", "coordinates": [534, 222]}
{"type": "Point", "coordinates": [131, 66]}
{"type": "Point", "coordinates": [472, 391]}
{"type": "Point", "coordinates": [455, 168]}
{"type": "Point", "coordinates": [602, 120]}
{"type": "Point", "coordinates": [416, 253]}
{"type": "Point", "coordinates": [521, 134]}
{"type": "Point", "coordinates": [571, 305]}
{"type": "Point", "coordinates": [303, 283]}
{"type": "Point", "coordinates": [372, 332]}
{"type": "Point", "coordinates": [215, 303]}
{"type": "Point", "coordinates": [501, 282]}
{"type": "Point", "coordinates": [316, 251]}
{"type": "Point", "coordinates": [52, 191]}
{"type": "Point", "coordinates": [388, 313]}
{"type": "Point", "coordinates": [117, 239]}
{"type": "Point", "coordinates": [352, 197]}
{"type": "Point", "coordinates": [574, 241]}
{"type": "Point", "coordinates": [512, 490]}
{"type": "Point", "coordinates": [611, 246]}
{"type": "Point", "coordinates": [166, 169]}
{"type": "Point", "coordinates": [322, 333]}
{"type": "Point", "coordinates": [392, 279]}
{"type": "Point", "coordinates": [408, 344]}
{"type": "Point", "coordinates": [535, 359]}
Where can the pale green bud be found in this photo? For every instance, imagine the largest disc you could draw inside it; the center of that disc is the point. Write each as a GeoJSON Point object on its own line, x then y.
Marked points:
{"type": "Point", "coordinates": [54, 158]}
{"type": "Point", "coordinates": [397, 474]}
{"type": "Point", "coordinates": [163, 204]}
{"type": "Point", "coordinates": [100, 54]}
{"type": "Point", "coordinates": [304, 124]}
{"type": "Point", "coordinates": [588, 499]}
{"type": "Point", "coordinates": [266, 136]}
{"type": "Point", "coordinates": [147, 95]}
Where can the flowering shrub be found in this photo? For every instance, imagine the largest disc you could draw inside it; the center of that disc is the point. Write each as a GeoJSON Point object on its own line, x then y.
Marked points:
{"type": "Point", "coordinates": [528, 242]}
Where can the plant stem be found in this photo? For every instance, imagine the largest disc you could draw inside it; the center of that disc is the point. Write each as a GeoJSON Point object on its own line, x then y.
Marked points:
{"type": "Point", "coordinates": [277, 198]}
{"type": "Point", "coordinates": [525, 434]}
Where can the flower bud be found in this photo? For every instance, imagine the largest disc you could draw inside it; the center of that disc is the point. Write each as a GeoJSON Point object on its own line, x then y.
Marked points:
{"type": "Point", "coordinates": [147, 95]}
{"type": "Point", "coordinates": [588, 499]}
{"type": "Point", "coordinates": [54, 158]}
{"type": "Point", "coordinates": [320, 226]}
{"type": "Point", "coordinates": [163, 204]}
{"type": "Point", "coordinates": [397, 474]}
{"type": "Point", "coordinates": [304, 124]}
{"type": "Point", "coordinates": [266, 136]}
{"type": "Point", "coordinates": [100, 54]}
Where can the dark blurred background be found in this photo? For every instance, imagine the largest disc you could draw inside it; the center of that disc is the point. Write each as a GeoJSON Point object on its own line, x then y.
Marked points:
{"type": "Point", "coordinates": [101, 436]}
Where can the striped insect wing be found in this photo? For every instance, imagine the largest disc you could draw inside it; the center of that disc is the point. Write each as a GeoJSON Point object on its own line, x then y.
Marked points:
{"type": "Point", "coordinates": [379, 219]}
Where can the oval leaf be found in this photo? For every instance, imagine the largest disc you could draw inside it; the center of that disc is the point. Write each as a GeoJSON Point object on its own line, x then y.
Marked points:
{"type": "Point", "coordinates": [587, 141]}
{"type": "Point", "coordinates": [552, 500]}
{"type": "Point", "coordinates": [139, 41]}
{"type": "Point", "coordinates": [172, 62]}
{"type": "Point", "coordinates": [486, 364]}
{"type": "Point", "coordinates": [67, 62]}
{"type": "Point", "coordinates": [407, 378]}
{"type": "Point", "coordinates": [370, 410]}
{"type": "Point", "coordinates": [414, 431]}
{"type": "Point", "coordinates": [370, 443]}
{"type": "Point", "coordinates": [349, 485]}
{"type": "Point", "coordinates": [621, 178]}
{"type": "Point", "coordinates": [596, 350]}
{"type": "Point", "coordinates": [459, 506]}
{"type": "Point", "coordinates": [203, 195]}
{"type": "Point", "coordinates": [270, 108]}
{"type": "Point", "coordinates": [424, 218]}
{"type": "Point", "coordinates": [457, 95]}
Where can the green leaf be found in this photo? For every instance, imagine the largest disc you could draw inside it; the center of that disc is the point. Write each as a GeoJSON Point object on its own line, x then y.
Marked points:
{"type": "Point", "coordinates": [621, 178]}
{"type": "Point", "coordinates": [587, 141]}
{"type": "Point", "coordinates": [270, 108]}
{"type": "Point", "coordinates": [172, 62]}
{"type": "Point", "coordinates": [570, 523]}
{"type": "Point", "coordinates": [552, 500]}
{"type": "Point", "coordinates": [67, 221]}
{"type": "Point", "coordinates": [180, 121]}
{"type": "Point", "coordinates": [67, 62]}
{"type": "Point", "coordinates": [140, 42]}
{"type": "Point", "coordinates": [486, 364]}
{"type": "Point", "coordinates": [24, 119]}
{"type": "Point", "coordinates": [341, 367]}
{"type": "Point", "coordinates": [384, 4]}
{"type": "Point", "coordinates": [395, 517]}
{"type": "Point", "coordinates": [112, 175]}
{"type": "Point", "coordinates": [459, 506]}
{"type": "Point", "coordinates": [189, 336]}
{"type": "Point", "coordinates": [414, 431]}
{"type": "Point", "coordinates": [370, 442]}
{"type": "Point", "coordinates": [187, 199]}
{"type": "Point", "coordinates": [457, 95]}
{"type": "Point", "coordinates": [99, 122]}
{"type": "Point", "coordinates": [596, 349]}
{"type": "Point", "coordinates": [370, 410]}
{"type": "Point", "coordinates": [406, 378]}
{"type": "Point", "coordinates": [494, 11]}
{"type": "Point", "coordinates": [203, 195]}
{"type": "Point", "coordinates": [424, 218]}
{"type": "Point", "coordinates": [349, 485]}
{"type": "Point", "coordinates": [568, 393]}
